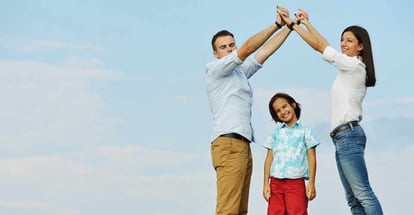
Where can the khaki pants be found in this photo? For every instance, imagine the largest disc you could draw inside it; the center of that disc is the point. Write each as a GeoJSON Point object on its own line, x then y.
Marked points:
{"type": "Point", "coordinates": [232, 160]}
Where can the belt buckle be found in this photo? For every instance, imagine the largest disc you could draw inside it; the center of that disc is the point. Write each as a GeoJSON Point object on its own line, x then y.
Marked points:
{"type": "Point", "coordinates": [343, 127]}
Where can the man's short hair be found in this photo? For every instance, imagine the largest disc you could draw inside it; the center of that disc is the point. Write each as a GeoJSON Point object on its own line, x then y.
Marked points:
{"type": "Point", "coordinates": [220, 34]}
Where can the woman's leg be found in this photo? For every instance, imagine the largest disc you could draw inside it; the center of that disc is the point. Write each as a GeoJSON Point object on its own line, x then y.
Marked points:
{"type": "Point", "coordinates": [350, 147]}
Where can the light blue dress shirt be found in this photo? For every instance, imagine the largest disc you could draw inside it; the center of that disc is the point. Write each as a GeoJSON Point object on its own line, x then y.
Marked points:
{"type": "Point", "coordinates": [230, 94]}
{"type": "Point", "coordinates": [290, 150]}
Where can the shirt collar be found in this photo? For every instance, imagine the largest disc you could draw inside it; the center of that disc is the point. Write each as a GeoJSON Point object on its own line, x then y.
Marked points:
{"type": "Point", "coordinates": [284, 125]}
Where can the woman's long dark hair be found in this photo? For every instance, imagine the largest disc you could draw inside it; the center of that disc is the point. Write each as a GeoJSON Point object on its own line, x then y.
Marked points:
{"type": "Point", "coordinates": [289, 99]}
{"type": "Point", "coordinates": [363, 37]}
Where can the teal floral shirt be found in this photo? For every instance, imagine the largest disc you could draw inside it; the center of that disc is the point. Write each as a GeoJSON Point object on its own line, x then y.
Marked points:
{"type": "Point", "coordinates": [290, 150]}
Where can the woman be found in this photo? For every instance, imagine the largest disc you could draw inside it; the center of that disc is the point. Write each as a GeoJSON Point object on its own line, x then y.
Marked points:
{"type": "Point", "coordinates": [355, 73]}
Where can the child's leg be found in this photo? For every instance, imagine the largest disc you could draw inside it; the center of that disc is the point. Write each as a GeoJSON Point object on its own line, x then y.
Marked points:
{"type": "Point", "coordinates": [276, 204]}
{"type": "Point", "coordinates": [296, 200]}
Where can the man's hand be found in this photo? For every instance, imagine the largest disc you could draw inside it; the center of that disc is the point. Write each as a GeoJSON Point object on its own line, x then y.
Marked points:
{"type": "Point", "coordinates": [284, 14]}
{"type": "Point", "coordinates": [281, 12]}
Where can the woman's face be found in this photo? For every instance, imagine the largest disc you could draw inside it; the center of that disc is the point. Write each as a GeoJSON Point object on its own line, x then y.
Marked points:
{"type": "Point", "coordinates": [350, 45]}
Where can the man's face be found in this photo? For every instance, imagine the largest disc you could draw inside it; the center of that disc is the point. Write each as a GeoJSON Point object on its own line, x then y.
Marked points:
{"type": "Point", "coordinates": [224, 46]}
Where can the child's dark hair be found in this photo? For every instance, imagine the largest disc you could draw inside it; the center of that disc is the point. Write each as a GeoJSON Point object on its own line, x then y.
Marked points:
{"type": "Point", "coordinates": [289, 99]}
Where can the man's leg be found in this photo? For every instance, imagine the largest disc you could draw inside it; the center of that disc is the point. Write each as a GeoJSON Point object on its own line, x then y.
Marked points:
{"type": "Point", "coordinates": [244, 204]}
{"type": "Point", "coordinates": [230, 160]}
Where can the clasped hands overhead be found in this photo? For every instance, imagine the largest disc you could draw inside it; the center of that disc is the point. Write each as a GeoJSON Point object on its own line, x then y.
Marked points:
{"type": "Point", "coordinates": [283, 14]}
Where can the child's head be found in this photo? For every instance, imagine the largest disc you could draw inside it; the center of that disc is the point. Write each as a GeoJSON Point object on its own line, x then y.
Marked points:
{"type": "Point", "coordinates": [284, 108]}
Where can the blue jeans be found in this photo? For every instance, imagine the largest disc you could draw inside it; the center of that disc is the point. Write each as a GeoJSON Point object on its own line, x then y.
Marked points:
{"type": "Point", "coordinates": [350, 147]}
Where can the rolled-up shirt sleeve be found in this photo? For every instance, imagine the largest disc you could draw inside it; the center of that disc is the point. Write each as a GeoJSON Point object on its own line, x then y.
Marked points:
{"type": "Point", "coordinates": [341, 61]}
{"type": "Point", "coordinates": [329, 54]}
{"type": "Point", "coordinates": [223, 66]}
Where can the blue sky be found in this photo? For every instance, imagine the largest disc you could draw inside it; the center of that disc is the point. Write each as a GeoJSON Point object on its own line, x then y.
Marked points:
{"type": "Point", "coordinates": [104, 110]}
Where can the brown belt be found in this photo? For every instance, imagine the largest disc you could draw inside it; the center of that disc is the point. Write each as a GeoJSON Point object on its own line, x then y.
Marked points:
{"type": "Point", "coordinates": [236, 136]}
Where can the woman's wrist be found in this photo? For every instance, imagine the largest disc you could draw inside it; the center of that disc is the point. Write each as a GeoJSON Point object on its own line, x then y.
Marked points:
{"type": "Point", "coordinates": [290, 25]}
{"type": "Point", "coordinates": [293, 23]}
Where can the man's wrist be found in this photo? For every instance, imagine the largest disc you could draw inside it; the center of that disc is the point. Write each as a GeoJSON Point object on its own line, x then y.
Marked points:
{"type": "Point", "coordinates": [278, 25]}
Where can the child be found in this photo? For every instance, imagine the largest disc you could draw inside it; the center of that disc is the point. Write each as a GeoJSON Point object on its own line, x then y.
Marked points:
{"type": "Point", "coordinates": [290, 159]}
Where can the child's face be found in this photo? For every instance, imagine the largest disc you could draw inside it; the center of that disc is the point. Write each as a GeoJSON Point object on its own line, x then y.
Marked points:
{"type": "Point", "coordinates": [285, 112]}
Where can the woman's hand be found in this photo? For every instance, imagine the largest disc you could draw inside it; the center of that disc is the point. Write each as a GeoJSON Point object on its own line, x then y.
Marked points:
{"type": "Point", "coordinates": [301, 15]}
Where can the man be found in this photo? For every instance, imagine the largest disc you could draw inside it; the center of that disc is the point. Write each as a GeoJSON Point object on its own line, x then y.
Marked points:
{"type": "Point", "coordinates": [230, 97]}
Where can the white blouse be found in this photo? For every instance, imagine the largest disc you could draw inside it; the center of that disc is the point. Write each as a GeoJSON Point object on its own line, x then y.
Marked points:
{"type": "Point", "coordinates": [348, 90]}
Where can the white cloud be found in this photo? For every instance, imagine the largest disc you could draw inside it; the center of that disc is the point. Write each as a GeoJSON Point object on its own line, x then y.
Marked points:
{"type": "Point", "coordinates": [65, 181]}
{"type": "Point", "coordinates": [82, 63]}
{"type": "Point", "coordinates": [53, 45]}
{"type": "Point", "coordinates": [24, 206]}
{"type": "Point", "coordinates": [184, 187]}
{"type": "Point", "coordinates": [50, 104]}
{"type": "Point", "coordinates": [135, 157]}
{"type": "Point", "coordinates": [389, 108]}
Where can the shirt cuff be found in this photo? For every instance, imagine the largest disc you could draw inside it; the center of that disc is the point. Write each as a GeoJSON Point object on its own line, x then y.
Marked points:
{"type": "Point", "coordinates": [235, 57]}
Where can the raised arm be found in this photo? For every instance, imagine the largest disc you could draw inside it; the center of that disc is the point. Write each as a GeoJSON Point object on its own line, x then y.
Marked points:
{"type": "Point", "coordinates": [256, 41]}
{"type": "Point", "coordinates": [311, 35]}
{"type": "Point", "coordinates": [276, 41]}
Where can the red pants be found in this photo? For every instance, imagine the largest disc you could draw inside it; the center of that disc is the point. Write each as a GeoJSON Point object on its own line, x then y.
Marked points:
{"type": "Point", "coordinates": [288, 197]}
